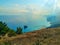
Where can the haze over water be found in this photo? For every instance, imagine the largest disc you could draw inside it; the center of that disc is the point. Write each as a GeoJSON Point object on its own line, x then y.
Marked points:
{"type": "Point", "coordinates": [33, 13]}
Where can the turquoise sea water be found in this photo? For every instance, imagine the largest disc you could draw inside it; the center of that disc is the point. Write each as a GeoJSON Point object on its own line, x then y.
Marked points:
{"type": "Point", "coordinates": [14, 21]}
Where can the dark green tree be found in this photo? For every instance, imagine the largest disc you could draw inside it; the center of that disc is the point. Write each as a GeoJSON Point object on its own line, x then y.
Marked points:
{"type": "Point", "coordinates": [19, 30]}
{"type": "Point", "coordinates": [3, 28]}
{"type": "Point", "coordinates": [11, 33]}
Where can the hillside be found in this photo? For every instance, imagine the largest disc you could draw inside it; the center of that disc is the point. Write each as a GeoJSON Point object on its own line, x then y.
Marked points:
{"type": "Point", "coordinates": [49, 36]}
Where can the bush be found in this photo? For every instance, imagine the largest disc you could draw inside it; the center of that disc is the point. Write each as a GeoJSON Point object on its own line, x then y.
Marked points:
{"type": "Point", "coordinates": [11, 33]}
{"type": "Point", "coordinates": [19, 30]}
{"type": "Point", "coordinates": [7, 43]}
{"type": "Point", "coordinates": [6, 31]}
{"type": "Point", "coordinates": [3, 28]}
{"type": "Point", "coordinates": [37, 42]}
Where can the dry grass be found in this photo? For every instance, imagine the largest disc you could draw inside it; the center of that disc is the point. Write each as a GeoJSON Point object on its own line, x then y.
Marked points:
{"type": "Point", "coordinates": [50, 36]}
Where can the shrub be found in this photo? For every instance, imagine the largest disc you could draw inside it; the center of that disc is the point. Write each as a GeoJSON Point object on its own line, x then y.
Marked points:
{"type": "Point", "coordinates": [11, 33]}
{"type": "Point", "coordinates": [19, 30]}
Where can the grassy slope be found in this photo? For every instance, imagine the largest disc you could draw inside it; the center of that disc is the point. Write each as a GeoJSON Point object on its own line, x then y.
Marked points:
{"type": "Point", "coordinates": [49, 36]}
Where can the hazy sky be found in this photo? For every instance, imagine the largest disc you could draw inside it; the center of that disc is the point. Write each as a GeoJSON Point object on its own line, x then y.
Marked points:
{"type": "Point", "coordinates": [17, 7]}
{"type": "Point", "coordinates": [28, 12]}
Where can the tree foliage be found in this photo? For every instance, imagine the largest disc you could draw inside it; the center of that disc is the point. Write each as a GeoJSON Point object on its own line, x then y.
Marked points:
{"type": "Point", "coordinates": [19, 30]}
{"type": "Point", "coordinates": [4, 29]}
{"type": "Point", "coordinates": [11, 33]}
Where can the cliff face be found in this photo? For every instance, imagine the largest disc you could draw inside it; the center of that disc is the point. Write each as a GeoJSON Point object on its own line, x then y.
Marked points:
{"type": "Point", "coordinates": [50, 36]}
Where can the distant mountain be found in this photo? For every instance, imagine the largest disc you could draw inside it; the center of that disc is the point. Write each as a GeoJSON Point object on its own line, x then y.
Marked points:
{"type": "Point", "coordinates": [49, 36]}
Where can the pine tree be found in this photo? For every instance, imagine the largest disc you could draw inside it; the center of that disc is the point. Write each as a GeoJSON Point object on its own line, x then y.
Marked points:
{"type": "Point", "coordinates": [19, 30]}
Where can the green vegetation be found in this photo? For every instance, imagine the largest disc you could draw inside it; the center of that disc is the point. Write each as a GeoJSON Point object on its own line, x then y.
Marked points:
{"type": "Point", "coordinates": [19, 30]}
{"type": "Point", "coordinates": [6, 31]}
{"type": "Point", "coordinates": [37, 42]}
{"type": "Point", "coordinates": [3, 28]}
{"type": "Point", "coordinates": [11, 33]}
{"type": "Point", "coordinates": [7, 43]}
